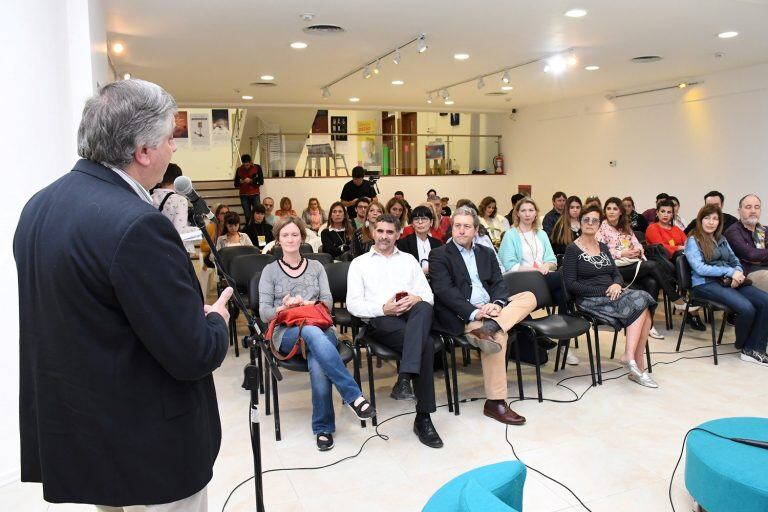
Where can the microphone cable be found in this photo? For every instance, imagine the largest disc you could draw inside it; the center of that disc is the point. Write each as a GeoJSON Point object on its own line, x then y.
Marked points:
{"type": "Point", "coordinates": [511, 401]}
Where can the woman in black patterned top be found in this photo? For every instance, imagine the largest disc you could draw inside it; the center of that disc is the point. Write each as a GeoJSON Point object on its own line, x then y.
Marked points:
{"type": "Point", "coordinates": [337, 235]}
{"type": "Point", "coordinates": [593, 279]}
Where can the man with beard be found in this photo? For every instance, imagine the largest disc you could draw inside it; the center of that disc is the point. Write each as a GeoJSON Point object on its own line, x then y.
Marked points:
{"type": "Point", "coordinates": [747, 239]}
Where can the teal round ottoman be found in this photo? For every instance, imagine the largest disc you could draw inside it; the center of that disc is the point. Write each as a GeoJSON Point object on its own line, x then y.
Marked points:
{"type": "Point", "coordinates": [493, 488]}
{"type": "Point", "coordinates": [725, 476]}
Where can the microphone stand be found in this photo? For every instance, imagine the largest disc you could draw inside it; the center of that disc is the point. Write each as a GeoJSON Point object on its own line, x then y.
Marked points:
{"type": "Point", "coordinates": [257, 344]}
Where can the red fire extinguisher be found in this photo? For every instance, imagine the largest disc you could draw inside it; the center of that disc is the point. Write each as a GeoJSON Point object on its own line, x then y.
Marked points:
{"type": "Point", "coordinates": [498, 164]}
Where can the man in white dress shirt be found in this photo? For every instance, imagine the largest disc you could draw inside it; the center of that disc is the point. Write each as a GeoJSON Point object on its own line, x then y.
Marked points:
{"type": "Point", "coordinates": [376, 280]}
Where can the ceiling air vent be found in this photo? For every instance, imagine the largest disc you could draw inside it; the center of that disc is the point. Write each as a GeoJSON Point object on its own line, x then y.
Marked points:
{"type": "Point", "coordinates": [263, 84]}
{"type": "Point", "coordinates": [646, 58]}
{"type": "Point", "coordinates": [324, 30]}
{"type": "Point", "coordinates": [496, 93]}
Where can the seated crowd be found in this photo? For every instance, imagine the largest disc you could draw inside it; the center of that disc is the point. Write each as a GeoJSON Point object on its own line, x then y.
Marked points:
{"type": "Point", "coordinates": [415, 269]}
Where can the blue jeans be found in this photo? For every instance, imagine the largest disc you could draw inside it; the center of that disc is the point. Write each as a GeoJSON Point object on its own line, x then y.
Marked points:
{"type": "Point", "coordinates": [325, 368]}
{"type": "Point", "coordinates": [248, 203]}
{"type": "Point", "coordinates": [751, 307]}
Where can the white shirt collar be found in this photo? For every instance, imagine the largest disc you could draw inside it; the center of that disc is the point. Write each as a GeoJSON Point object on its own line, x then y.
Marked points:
{"type": "Point", "coordinates": [135, 185]}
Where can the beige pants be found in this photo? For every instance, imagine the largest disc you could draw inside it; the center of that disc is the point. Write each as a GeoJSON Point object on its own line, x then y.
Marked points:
{"type": "Point", "coordinates": [196, 503]}
{"type": "Point", "coordinates": [495, 365]}
{"type": "Point", "coordinates": [760, 279]}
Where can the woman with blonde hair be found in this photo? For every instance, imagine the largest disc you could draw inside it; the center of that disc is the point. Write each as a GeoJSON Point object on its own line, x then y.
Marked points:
{"type": "Point", "coordinates": [313, 215]}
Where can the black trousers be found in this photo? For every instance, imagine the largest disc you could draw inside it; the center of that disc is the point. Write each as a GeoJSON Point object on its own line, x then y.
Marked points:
{"type": "Point", "coordinates": [651, 277]}
{"type": "Point", "coordinates": [409, 335]}
{"type": "Point", "coordinates": [555, 286]}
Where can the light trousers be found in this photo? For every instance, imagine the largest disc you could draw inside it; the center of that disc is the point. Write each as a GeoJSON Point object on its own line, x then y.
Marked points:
{"type": "Point", "coordinates": [198, 502]}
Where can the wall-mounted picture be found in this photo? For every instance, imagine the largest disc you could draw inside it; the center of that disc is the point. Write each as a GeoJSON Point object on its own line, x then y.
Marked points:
{"type": "Point", "coordinates": [181, 125]}
{"type": "Point", "coordinates": [200, 129]}
{"type": "Point", "coordinates": [220, 126]}
{"type": "Point", "coordinates": [526, 190]}
{"type": "Point", "coordinates": [339, 125]}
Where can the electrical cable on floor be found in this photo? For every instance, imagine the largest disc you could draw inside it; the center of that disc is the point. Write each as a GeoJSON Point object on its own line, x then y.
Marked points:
{"type": "Point", "coordinates": [512, 400]}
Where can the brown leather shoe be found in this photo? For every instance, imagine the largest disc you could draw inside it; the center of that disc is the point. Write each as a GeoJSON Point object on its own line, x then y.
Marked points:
{"type": "Point", "coordinates": [499, 410]}
{"type": "Point", "coordinates": [482, 337]}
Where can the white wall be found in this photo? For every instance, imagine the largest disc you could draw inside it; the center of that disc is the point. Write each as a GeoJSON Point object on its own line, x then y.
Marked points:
{"type": "Point", "coordinates": [212, 162]}
{"type": "Point", "coordinates": [55, 68]}
{"type": "Point", "coordinates": [683, 142]}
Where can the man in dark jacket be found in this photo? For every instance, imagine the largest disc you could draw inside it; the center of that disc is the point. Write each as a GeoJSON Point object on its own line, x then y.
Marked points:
{"type": "Point", "coordinates": [471, 298]}
{"type": "Point", "coordinates": [248, 179]}
{"type": "Point", "coordinates": [117, 402]}
{"type": "Point", "coordinates": [747, 239]}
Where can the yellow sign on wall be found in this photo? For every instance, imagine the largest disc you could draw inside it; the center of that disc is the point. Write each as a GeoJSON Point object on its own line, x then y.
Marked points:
{"type": "Point", "coordinates": [366, 146]}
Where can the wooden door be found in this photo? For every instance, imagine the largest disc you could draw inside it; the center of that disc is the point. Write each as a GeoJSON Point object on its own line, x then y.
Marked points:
{"type": "Point", "coordinates": [408, 163]}
{"type": "Point", "coordinates": [388, 127]}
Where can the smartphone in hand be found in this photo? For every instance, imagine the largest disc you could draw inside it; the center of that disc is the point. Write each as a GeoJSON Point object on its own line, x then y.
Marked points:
{"type": "Point", "coordinates": [400, 295]}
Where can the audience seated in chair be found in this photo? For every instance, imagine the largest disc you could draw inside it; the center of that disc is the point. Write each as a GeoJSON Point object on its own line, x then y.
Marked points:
{"type": "Point", "coordinates": [337, 235]}
{"type": "Point", "coordinates": [232, 236]}
{"type": "Point", "coordinates": [552, 216]}
{"type": "Point", "coordinates": [747, 239]}
{"type": "Point", "coordinates": [567, 228]}
{"type": "Point", "coordinates": [471, 298]}
{"type": "Point", "coordinates": [650, 214]}
{"type": "Point", "coordinates": [214, 228]}
{"type": "Point", "coordinates": [717, 275]}
{"type": "Point", "coordinates": [361, 206]}
{"type": "Point", "coordinates": [296, 281]}
{"type": "Point", "coordinates": [396, 208]}
{"type": "Point", "coordinates": [495, 224]}
{"type": "Point", "coordinates": [286, 208]}
{"type": "Point", "coordinates": [593, 279]}
{"type": "Point", "coordinates": [419, 242]}
{"type": "Point", "coordinates": [258, 230]}
{"type": "Point", "coordinates": [513, 200]}
{"type": "Point", "coordinates": [716, 198]}
{"type": "Point", "coordinates": [362, 239]}
{"type": "Point", "coordinates": [664, 232]}
{"type": "Point", "coordinates": [387, 289]}
{"type": "Point", "coordinates": [636, 221]}
{"type": "Point", "coordinates": [269, 206]}
{"type": "Point", "coordinates": [314, 216]}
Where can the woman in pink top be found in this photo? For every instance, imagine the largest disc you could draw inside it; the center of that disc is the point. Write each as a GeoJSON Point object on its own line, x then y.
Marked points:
{"type": "Point", "coordinates": [313, 215]}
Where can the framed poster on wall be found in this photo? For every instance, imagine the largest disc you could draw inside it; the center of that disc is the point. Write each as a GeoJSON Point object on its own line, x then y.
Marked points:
{"type": "Point", "coordinates": [526, 190]}
{"type": "Point", "coordinates": [339, 126]}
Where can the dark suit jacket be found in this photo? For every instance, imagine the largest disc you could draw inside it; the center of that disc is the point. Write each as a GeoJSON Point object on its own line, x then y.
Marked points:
{"type": "Point", "coordinates": [409, 245]}
{"type": "Point", "coordinates": [117, 403]}
{"type": "Point", "coordinates": [452, 286]}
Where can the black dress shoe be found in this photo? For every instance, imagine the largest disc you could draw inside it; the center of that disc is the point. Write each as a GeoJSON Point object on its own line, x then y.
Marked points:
{"type": "Point", "coordinates": [427, 433]}
{"type": "Point", "coordinates": [695, 322]}
{"type": "Point", "coordinates": [402, 390]}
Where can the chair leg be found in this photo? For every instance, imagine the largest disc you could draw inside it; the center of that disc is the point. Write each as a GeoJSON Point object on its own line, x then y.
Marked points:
{"type": "Point", "coordinates": [557, 357]}
{"type": "Point", "coordinates": [591, 358]}
{"type": "Point", "coordinates": [372, 398]}
{"type": "Point", "coordinates": [446, 375]}
{"type": "Point", "coordinates": [597, 357]}
{"type": "Point", "coordinates": [712, 328]}
{"type": "Point", "coordinates": [519, 371]}
{"type": "Point", "coordinates": [455, 376]}
{"type": "Point", "coordinates": [467, 356]}
{"type": "Point", "coordinates": [278, 436]}
{"type": "Point", "coordinates": [267, 392]}
{"type": "Point", "coordinates": [537, 362]}
{"type": "Point", "coordinates": [576, 342]}
{"type": "Point", "coordinates": [378, 362]}
{"type": "Point", "coordinates": [682, 328]}
{"type": "Point", "coordinates": [567, 346]}
{"type": "Point", "coordinates": [613, 347]}
{"type": "Point", "coordinates": [356, 371]}
{"type": "Point", "coordinates": [722, 328]}
{"type": "Point", "coordinates": [648, 357]}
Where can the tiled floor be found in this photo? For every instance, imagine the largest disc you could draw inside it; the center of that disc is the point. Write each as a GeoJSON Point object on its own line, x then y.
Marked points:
{"type": "Point", "coordinates": [615, 448]}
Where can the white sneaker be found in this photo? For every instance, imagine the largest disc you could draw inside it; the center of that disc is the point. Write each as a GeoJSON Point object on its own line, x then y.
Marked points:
{"type": "Point", "coordinates": [655, 334]}
{"type": "Point", "coordinates": [572, 359]}
{"type": "Point", "coordinates": [753, 356]}
{"type": "Point", "coordinates": [681, 307]}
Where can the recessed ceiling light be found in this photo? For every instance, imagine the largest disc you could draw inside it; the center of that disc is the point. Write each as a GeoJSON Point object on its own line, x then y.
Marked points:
{"type": "Point", "coordinates": [576, 13]}
{"type": "Point", "coordinates": [506, 87]}
{"type": "Point", "coordinates": [247, 97]}
{"type": "Point", "coordinates": [127, 76]}
{"type": "Point", "coordinates": [461, 56]}
{"type": "Point", "coordinates": [267, 77]}
{"type": "Point", "coordinates": [298, 45]}
{"type": "Point", "coordinates": [118, 48]}
{"type": "Point", "coordinates": [449, 102]}
{"type": "Point", "coordinates": [591, 68]}
{"type": "Point", "coordinates": [354, 99]}
{"type": "Point", "coordinates": [397, 82]}
{"type": "Point", "coordinates": [727, 35]}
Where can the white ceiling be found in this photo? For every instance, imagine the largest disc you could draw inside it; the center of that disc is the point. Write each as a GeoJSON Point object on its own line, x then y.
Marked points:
{"type": "Point", "coordinates": [201, 50]}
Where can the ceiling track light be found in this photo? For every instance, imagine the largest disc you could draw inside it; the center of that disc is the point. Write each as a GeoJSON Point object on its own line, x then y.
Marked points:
{"type": "Point", "coordinates": [480, 83]}
{"type": "Point", "coordinates": [505, 77]}
{"type": "Point", "coordinates": [421, 43]}
{"type": "Point", "coordinates": [326, 92]}
{"type": "Point", "coordinates": [396, 55]}
{"type": "Point", "coordinates": [678, 85]}
{"type": "Point", "coordinates": [429, 98]}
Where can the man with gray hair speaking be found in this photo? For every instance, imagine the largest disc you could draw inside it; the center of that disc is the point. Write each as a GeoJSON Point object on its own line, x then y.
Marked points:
{"type": "Point", "coordinates": [117, 402]}
{"type": "Point", "coordinates": [747, 239]}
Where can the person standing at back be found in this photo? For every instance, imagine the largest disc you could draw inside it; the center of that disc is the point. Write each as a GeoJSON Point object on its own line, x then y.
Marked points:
{"type": "Point", "coordinates": [355, 189]}
{"type": "Point", "coordinates": [248, 178]}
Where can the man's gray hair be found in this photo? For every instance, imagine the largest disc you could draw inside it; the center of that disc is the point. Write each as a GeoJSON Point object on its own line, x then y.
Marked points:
{"type": "Point", "coordinates": [466, 210]}
{"type": "Point", "coordinates": [123, 116]}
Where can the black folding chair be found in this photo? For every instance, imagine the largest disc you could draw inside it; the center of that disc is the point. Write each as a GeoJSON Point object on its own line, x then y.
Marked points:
{"type": "Point", "coordinates": [295, 364]}
{"type": "Point", "coordinates": [683, 270]}
{"type": "Point", "coordinates": [561, 327]}
{"type": "Point", "coordinates": [304, 249]}
{"type": "Point", "coordinates": [241, 269]}
{"type": "Point", "coordinates": [322, 257]}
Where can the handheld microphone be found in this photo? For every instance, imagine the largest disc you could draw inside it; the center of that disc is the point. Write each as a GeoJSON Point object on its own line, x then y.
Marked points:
{"type": "Point", "coordinates": [751, 442]}
{"type": "Point", "coordinates": [183, 186]}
